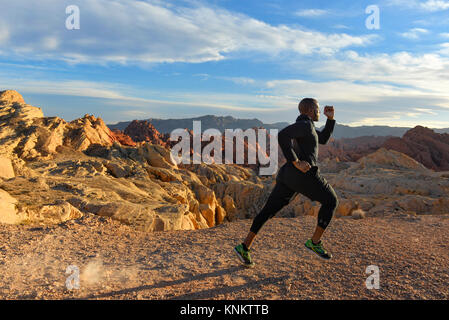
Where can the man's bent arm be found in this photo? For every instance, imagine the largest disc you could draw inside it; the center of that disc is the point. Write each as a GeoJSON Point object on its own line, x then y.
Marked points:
{"type": "Point", "coordinates": [285, 136]}
{"type": "Point", "coordinates": [323, 136]}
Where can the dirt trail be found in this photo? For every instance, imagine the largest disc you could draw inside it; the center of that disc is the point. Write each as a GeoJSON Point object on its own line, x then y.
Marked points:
{"type": "Point", "coordinates": [117, 262]}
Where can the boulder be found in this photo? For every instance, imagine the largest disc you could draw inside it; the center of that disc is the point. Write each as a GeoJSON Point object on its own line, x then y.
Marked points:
{"type": "Point", "coordinates": [158, 156]}
{"type": "Point", "coordinates": [10, 97]}
{"type": "Point", "coordinates": [358, 214]}
{"type": "Point", "coordinates": [58, 212]}
{"type": "Point", "coordinates": [6, 168]}
{"type": "Point", "coordinates": [8, 208]}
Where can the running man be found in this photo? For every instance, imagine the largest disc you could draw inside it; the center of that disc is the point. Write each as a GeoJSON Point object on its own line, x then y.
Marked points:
{"type": "Point", "coordinates": [299, 174]}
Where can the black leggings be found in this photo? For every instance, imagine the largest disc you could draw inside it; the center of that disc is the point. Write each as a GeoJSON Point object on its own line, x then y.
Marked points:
{"type": "Point", "coordinates": [315, 188]}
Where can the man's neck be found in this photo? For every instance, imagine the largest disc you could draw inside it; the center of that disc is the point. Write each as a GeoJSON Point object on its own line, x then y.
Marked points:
{"type": "Point", "coordinates": [304, 116]}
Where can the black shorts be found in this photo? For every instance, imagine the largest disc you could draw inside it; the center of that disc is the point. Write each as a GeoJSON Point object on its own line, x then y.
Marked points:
{"type": "Point", "coordinates": [311, 184]}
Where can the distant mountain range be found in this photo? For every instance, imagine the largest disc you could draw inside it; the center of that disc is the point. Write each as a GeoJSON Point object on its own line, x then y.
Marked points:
{"type": "Point", "coordinates": [229, 122]}
{"type": "Point", "coordinates": [207, 122]}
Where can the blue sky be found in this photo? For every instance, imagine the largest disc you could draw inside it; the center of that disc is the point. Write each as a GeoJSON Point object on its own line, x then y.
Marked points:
{"type": "Point", "coordinates": [249, 59]}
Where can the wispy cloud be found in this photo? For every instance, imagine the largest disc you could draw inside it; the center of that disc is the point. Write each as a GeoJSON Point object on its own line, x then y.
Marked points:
{"type": "Point", "coordinates": [427, 111]}
{"type": "Point", "coordinates": [414, 33]}
{"type": "Point", "coordinates": [374, 83]}
{"type": "Point", "coordinates": [444, 49]}
{"type": "Point", "coordinates": [435, 5]}
{"type": "Point", "coordinates": [239, 80]}
{"type": "Point", "coordinates": [397, 120]}
{"type": "Point", "coordinates": [428, 5]}
{"type": "Point", "coordinates": [131, 31]}
{"type": "Point", "coordinates": [311, 13]}
{"type": "Point", "coordinates": [425, 73]}
{"type": "Point", "coordinates": [341, 26]}
{"type": "Point", "coordinates": [116, 94]}
{"type": "Point", "coordinates": [203, 76]}
{"type": "Point", "coordinates": [332, 90]}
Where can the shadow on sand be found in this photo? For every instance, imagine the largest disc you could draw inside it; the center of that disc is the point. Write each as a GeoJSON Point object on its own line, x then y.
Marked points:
{"type": "Point", "coordinates": [204, 294]}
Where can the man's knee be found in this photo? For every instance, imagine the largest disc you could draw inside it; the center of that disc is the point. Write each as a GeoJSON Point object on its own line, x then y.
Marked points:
{"type": "Point", "coordinates": [328, 208]}
{"type": "Point", "coordinates": [334, 201]}
{"type": "Point", "coordinates": [330, 200]}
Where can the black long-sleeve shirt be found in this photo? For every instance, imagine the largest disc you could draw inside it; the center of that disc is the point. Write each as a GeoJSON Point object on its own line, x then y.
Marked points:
{"type": "Point", "coordinates": [305, 139]}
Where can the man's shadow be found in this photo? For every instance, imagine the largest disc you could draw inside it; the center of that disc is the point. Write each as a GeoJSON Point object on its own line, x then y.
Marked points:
{"type": "Point", "coordinates": [193, 295]}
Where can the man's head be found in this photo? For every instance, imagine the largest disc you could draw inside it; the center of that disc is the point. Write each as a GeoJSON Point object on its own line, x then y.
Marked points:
{"type": "Point", "coordinates": [310, 107]}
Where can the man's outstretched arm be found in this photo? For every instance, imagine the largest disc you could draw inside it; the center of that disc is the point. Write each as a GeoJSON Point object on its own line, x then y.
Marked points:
{"type": "Point", "coordinates": [323, 136]}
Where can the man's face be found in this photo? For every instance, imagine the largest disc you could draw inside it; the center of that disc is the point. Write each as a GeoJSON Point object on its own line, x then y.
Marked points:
{"type": "Point", "coordinates": [315, 114]}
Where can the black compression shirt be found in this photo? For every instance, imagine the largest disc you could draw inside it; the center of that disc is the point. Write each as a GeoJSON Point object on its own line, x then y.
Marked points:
{"type": "Point", "coordinates": [306, 139]}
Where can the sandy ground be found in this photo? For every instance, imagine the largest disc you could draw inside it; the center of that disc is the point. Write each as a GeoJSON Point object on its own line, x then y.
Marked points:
{"type": "Point", "coordinates": [117, 262]}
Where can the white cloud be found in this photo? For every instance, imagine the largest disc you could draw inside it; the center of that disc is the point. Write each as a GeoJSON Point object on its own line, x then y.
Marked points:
{"type": "Point", "coordinates": [341, 26]}
{"type": "Point", "coordinates": [445, 35]}
{"type": "Point", "coordinates": [67, 87]}
{"type": "Point", "coordinates": [414, 33]}
{"type": "Point", "coordinates": [435, 5]}
{"type": "Point", "coordinates": [131, 31]}
{"type": "Point", "coordinates": [367, 86]}
{"type": "Point", "coordinates": [397, 120]}
{"type": "Point", "coordinates": [424, 110]}
{"type": "Point", "coordinates": [424, 73]}
{"type": "Point", "coordinates": [338, 91]}
{"type": "Point", "coordinates": [239, 80]}
{"type": "Point", "coordinates": [311, 13]}
{"type": "Point", "coordinates": [444, 49]}
{"type": "Point", "coordinates": [429, 5]}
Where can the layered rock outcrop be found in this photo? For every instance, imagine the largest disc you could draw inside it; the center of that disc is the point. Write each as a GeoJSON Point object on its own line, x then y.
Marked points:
{"type": "Point", "coordinates": [27, 134]}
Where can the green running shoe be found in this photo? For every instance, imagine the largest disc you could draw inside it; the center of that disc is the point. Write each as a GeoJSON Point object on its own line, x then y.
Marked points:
{"type": "Point", "coordinates": [244, 256]}
{"type": "Point", "coordinates": [318, 249]}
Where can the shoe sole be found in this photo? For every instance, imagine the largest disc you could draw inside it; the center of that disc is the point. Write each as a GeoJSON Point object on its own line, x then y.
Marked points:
{"type": "Point", "coordinates": [243, 261]}
{"type": "Point", "coordinates": [316, 254]}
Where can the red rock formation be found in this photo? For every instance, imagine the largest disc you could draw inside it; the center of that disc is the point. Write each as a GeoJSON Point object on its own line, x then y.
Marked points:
{"type": "Point", "coordinates": [123, 139]}
{"type": "Point", "coordinates": [423, 145]}
{"type": "Point", "coordinates": [420, 143]}
{"type": "Point", "coordinates": [145, 131]}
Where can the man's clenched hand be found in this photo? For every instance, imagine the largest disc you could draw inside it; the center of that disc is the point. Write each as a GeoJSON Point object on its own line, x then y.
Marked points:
{"type": "Point", "coordinates": [329, 112]}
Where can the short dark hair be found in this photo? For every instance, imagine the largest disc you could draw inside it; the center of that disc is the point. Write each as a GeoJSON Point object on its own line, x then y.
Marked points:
{"type": "Point", "coordinates": [307, 104]}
